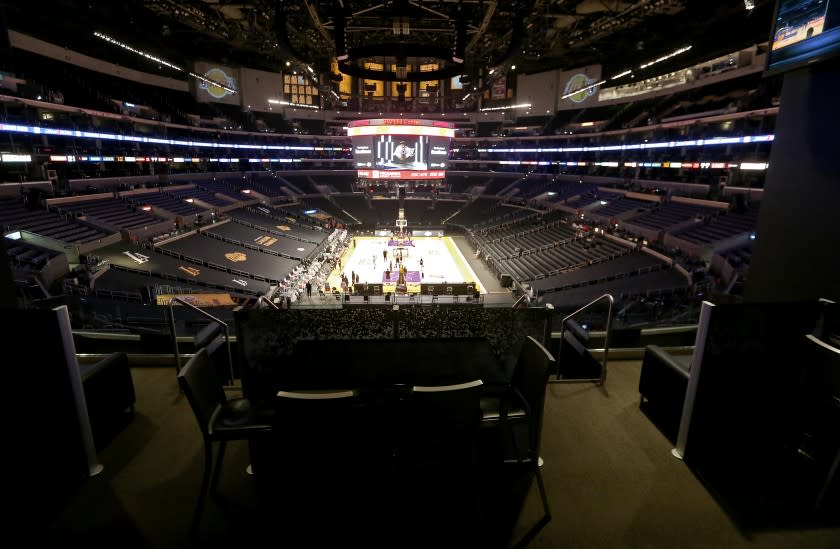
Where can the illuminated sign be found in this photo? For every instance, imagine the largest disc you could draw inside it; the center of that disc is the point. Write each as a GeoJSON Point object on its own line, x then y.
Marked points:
{"type": "Point", "coordinates": [16, 157]}
{"type": "Point", "coordinates": [214, 77]}
{"type": "Point", "coordinates": [400, 130]}
{"type": "Point", "coordinates": [401, 174]}
{"type": "Point", "coordinates": [579, 82]}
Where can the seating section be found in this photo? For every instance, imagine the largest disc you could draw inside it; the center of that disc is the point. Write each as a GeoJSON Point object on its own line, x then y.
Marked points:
{"type": "Point", "coordinates": [324, 205]}
{"type": "Point", "coordinates": [583, 199]}
{"type": "Point", "coordinates": [300, 184]}
{"type": "Point", "coordinates": [625, 265]}
{"type": "Point", "coordinates": [165, 201]}
{"type": "Point", "coordinates": [669, 214]}
{"type": "Point", "coordinates": [564, 192]}
{"type": "Point", "coordinates": [206, 196]}
{"type": "Point", "coordinates": [230, 187]}
{"type": "Point", "coordinates": [14, 214]}
{"type": "Point", "coordinates": [476, 211]}
{"type": "Point", "coordinates": [367, 212]}
{"type": "Point", "coordinates": [739, 257]}
{"type": "Point", "coordinates": [655, 283]}
{"type": "Point", "coordinates": [574, 254]}
{"type": "Point", "coordinates": [242, 235]}
{"type": "Point", "coordinates": [721, 227]}
{"type": "Point", "coordinates": [620, 204]}
{"type": "Point", "coordinates": [27, 257]}
{"type": "Point", "coordinates": [465, 184]}
{"type": "Point", "coordinates": [506, 215]}
{"type": "Point", "coordinates": [280, 222]}
{"type": "Point", "coordinates": [111, 212]}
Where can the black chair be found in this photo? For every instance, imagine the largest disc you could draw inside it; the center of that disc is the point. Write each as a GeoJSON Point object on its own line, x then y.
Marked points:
{"type": "Point", "coordinates": [436, 463]}
{"type": "Point", "coordinates": [519, 408]}
{"type": "Point", "coordinates": [433, 416]}
{"type": "Point", "coordinates": [315, 430]}
{"type": "Point", "coordinates": [220, 419]}
{"type": "Point", "coordinates": [328, 466]}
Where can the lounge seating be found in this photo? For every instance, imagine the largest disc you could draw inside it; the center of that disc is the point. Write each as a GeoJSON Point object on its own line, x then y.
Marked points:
{"type": "Point", "coordinates": [662, 385]}
{"type": "Point", "coordinates": [109, 394]}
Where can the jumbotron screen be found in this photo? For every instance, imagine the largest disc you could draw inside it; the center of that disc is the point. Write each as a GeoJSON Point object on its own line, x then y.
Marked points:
{"type": "Point", "coordinates": [804, 32]}
{"type": "Point", "coordinates": [400, 148]}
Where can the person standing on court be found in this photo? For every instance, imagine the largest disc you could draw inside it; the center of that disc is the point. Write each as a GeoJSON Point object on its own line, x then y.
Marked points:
{"type": "Point", "coordinates": [308, 289]}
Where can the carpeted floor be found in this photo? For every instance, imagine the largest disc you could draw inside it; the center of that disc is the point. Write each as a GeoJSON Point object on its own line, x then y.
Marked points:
{"type": "Point", "coordinates": [610, 477]}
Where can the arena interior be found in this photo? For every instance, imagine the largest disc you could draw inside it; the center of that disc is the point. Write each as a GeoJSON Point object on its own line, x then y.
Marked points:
{"type": "Point", "coordinates": [364, 203]}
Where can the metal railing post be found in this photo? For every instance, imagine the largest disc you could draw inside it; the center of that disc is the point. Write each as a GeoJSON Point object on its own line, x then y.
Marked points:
{"type": "Point", "coordinates": [600, 380]}
{"type": "Point", "coordinates": [204, 313]}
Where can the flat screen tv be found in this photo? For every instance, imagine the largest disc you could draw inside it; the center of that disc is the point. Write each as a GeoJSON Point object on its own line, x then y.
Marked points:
{"type": "Point", "coordinates": [803, 32]}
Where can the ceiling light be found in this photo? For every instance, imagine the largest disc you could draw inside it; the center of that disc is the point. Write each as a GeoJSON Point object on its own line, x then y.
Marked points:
{"type": "Point", "coordinates": [138, 52]}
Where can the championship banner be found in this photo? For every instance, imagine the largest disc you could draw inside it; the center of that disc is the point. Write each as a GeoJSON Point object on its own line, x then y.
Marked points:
{"type": "Point", "coordinates": [499, 88]}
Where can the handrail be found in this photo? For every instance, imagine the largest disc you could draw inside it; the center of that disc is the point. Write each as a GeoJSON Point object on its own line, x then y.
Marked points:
{"type": "Point", "coordinates": [204, 313]}
{"type": "Point", "coordinates": [263, 298]}
{"type": "Point", "coordinates": [603, 377]}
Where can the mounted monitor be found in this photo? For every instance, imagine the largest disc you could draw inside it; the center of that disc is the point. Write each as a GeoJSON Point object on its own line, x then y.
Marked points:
{"type": "Point", "coordinates": [804, 32]}
{"type": "Point", "coordinates": [400, 149]}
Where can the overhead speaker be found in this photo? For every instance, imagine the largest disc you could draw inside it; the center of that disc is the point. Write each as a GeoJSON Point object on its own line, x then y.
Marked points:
{"type": "Point", "coordinates": [459, 45]}
{"type": "Point", "coordinates": [342, 52]}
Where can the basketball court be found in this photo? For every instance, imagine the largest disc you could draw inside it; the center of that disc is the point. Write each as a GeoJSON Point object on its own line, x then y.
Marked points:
{"type": "Point", "coordinates": [370, 258]}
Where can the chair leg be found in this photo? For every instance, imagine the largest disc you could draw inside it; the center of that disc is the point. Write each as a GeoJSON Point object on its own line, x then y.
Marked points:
{"type": "Point", "coordinates": [543, 495]}
{"type": "Point", "coordinates": [220, 457]}
{"type": "Point", "coordinates": [546, 518]}
{"type": "Point", "coordinates": [205, 484]}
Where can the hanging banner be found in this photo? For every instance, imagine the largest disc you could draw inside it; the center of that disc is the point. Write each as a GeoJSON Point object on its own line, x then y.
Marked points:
{"type": "Point", "coordinates": [499, 88]}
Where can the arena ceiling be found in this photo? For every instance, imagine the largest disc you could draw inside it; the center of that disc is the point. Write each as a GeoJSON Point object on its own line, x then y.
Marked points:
{"type": "Point", "coordinates": [460, 36]}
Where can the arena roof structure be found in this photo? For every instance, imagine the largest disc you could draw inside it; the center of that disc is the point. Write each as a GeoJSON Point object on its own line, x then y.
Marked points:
{"type": "Point", "coordinates": [455, 37]}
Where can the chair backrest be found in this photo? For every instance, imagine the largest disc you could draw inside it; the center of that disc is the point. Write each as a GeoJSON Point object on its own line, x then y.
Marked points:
{"type": "Point", "coordinates": [530, 378]}
{"type": "Point", "coordinates": [330, 431]}
{"type": "Point", "coordinates": [306, 411]}
{"type": "Point", "coordinates": [204, 390]}
{"type": "Point", "coordinates": [441, 410]}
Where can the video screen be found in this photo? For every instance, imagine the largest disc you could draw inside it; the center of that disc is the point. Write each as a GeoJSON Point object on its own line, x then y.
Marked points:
{"type": "Point", "coordinates": [804, 31]}
{"type": "Point", "coordinates": [402, 152]}
{"type": "Point", "coordinates": [402, 149]}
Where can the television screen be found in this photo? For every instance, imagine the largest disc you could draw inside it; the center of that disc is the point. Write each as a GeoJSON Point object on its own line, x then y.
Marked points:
{"type": "Point", "coordinates": [400, 149]}
{"type": "Point", "coordinates": [804, 32]}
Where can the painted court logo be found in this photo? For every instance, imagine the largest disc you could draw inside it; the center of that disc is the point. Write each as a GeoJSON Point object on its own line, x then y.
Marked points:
{"type": "Point", "coordinates": [284, 227]}
{"type": "Point", "coordinates": [265, 240]}
{"type": "Point", "coordinates": [236, 257]}
{"type": "Point", "coordinates": [192, 271]}
{"type": "Point", "coordinates": [137, 258]}
{"type": "Point", "coordinates": [578, 82]}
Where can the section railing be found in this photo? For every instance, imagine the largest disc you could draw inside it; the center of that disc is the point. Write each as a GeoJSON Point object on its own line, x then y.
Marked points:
{"type": "Point", "coordinates": [603, 377]}
{"type": "Point", "coordinates": [220, 322]}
